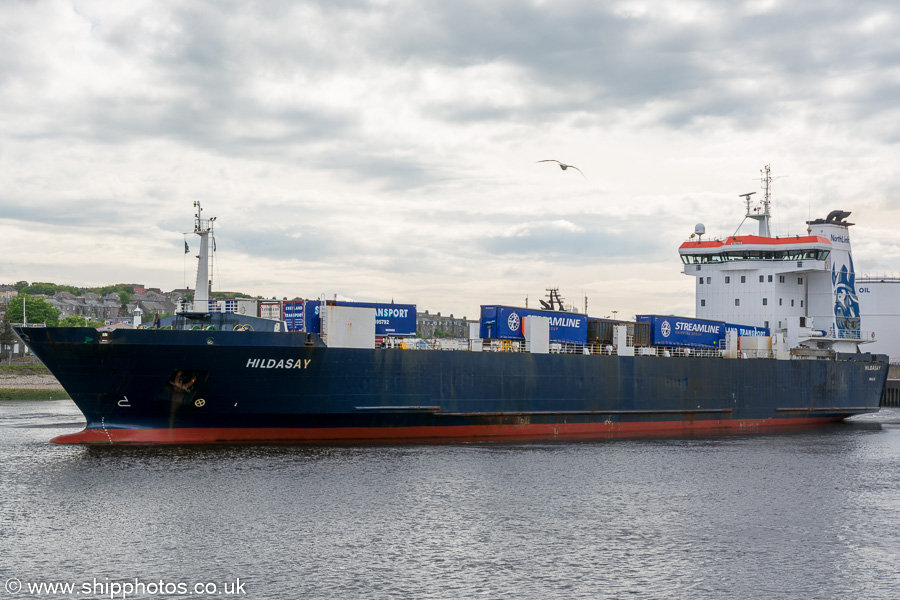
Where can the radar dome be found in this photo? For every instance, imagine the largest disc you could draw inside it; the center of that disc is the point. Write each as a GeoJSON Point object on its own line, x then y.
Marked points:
{"type": "Point", "coordinates": [700, 229]}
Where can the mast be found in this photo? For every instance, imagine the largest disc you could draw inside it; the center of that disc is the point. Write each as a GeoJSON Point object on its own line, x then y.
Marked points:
{"type": "Point", "coordinates": [203, 228]}
{"type": "Point", "coordinates": [762, 212]}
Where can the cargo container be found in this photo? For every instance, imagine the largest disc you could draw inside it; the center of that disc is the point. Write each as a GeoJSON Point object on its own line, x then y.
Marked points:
{"type": "Point", "coordinates": [747, 330]}
{"type": "Point", "coordinates": [641, 334]}
{"type": "Point", "coordinates": [270, 309]}
{"type": "Point", "coordinates": [348, 326]}
{"type": "Point", "coordinates": [248, 307]}
{"type": "Point", "coordinates": [506, 323]}
{"type": "Point", "coordinates": [602, 331]}
{"type": "Point", "coordinates": [293, 315]}
{"type": "Point", "coordinates": [391, 320]}
{"type": "Point", "coordinates": [684, 331]}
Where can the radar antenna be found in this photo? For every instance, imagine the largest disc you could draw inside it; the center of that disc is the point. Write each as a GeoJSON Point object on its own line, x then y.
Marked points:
{"type": "Point", "coordinates": [761, 213]}
{"type": "Point", "coordinates": [747, 200]}
{"type": "Point", "coordinates": [766, 180]}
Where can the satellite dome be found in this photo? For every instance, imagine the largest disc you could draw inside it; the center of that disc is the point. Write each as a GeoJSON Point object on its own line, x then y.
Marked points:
{"type": "Point", "coordinates": [700, 229]}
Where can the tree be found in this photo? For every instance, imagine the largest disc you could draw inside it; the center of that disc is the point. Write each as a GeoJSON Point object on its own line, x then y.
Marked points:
{"type": "Point", "coordinates": [79, 321]}
{"type": "Point", "coordinates": [37, 310]}
{"type": "Point", "coordinates": [40, 288]}
{"type": "Point", "coordinates": [44, 288]}
{"type": "Point", "coordinates": [20, 285]}
{"type": "Point", "coordinates": [124, 298]}
{"type": "Point", "coordinates": [7, 337]}
{"type": "Point", "coordinates": [107, 289]}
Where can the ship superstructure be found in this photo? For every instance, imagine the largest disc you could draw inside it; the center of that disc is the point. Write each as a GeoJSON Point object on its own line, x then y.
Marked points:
{"type": "Point", "coordinates": [770, 281]}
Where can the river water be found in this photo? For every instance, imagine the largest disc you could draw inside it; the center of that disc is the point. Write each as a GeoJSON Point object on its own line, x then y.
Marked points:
{"type": "Point", "coordinates": [813, 513]}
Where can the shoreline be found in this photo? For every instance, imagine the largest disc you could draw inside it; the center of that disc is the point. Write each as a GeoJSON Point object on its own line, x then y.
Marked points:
{"type": "Point", "coordinates": [33, 394]}
{"type": "Point", "coordinates": [30, 384]}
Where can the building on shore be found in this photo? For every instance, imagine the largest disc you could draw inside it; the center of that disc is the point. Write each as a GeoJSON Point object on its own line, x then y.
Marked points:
{"type": "Point", "coordinates": [435, 325]}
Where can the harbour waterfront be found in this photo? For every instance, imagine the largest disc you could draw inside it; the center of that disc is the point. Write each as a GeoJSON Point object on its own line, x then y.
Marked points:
{"type": "Point", "coordinates": [813, 513]}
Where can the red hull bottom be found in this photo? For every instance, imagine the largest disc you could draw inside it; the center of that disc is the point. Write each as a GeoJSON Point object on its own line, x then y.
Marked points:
{"type": "Point", "coordinates": [387, 434]}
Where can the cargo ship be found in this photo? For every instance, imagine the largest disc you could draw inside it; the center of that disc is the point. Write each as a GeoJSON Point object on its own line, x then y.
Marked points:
{"type": "Point", "coordinates": [775, 343]}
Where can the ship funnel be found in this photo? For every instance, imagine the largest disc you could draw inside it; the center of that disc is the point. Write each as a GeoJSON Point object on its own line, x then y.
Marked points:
{"type": "Point", "coordinates": [833, 302]}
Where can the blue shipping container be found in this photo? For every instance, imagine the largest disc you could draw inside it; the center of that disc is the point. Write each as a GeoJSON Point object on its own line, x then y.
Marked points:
{"type": "Point", "coordinates": [747, 330]}
{"type": "Point", "coordinates": [394, 320]}
{"type": "Point", "coordinates": [507, 323]}
{"type": "Point", "coordinates": [697, 333]}
{"type": "Point", "coordinates": [684, 331]}
{"type": "Point", "coordinates": [293, 315]}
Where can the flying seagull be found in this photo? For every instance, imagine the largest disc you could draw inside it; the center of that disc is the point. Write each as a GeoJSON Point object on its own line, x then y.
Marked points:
{"type": "Point", "coordinates": [564, 166]}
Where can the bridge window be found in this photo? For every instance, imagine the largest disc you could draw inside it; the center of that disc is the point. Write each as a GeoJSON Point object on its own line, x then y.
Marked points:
{"type": "Point", "coordinates": [732, 255]}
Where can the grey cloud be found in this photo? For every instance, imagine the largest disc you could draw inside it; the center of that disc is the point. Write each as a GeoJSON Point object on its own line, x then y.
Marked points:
{"type": "Point", "coordinates": [575, 58]}
{"type": "Point", "coordinates": [310, 245]}
{"type": "Point", "coordinates": [608, 61]}
{"type": "Point", "coordinates": [555, 245]}
{"type": "Point", "coordinates": [77, 213]}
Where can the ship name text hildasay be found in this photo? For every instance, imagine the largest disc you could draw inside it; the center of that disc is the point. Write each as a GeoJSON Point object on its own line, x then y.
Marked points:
{"type": "Point", "coordinates": [271, 363]}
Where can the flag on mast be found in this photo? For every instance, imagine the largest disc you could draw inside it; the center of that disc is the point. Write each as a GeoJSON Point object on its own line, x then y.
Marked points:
{"type": "Point", "coordinates": [186, 249]}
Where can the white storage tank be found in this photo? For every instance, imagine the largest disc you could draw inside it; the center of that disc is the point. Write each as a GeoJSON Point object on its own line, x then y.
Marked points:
{"type": "Point", "coordinates": [879, 308]}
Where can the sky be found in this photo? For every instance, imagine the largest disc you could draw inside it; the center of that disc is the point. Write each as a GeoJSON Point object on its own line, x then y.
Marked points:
{"type": "Point", "coordinates": [387, 151]}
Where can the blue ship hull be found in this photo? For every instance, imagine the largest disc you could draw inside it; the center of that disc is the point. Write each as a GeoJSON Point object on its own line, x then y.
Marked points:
{"type": "Point", "coordinates": [151, 386]}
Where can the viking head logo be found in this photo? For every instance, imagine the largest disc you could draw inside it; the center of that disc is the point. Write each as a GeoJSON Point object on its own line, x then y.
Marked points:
{"type": "Point", "coordinates": [846, 304]}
